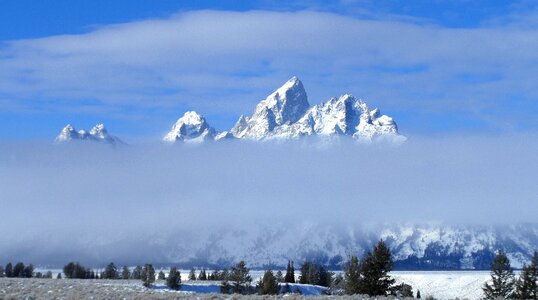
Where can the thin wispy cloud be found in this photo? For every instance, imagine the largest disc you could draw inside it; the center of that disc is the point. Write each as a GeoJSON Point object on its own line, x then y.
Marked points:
{"type": "Point", "coordinates": [221, 63]}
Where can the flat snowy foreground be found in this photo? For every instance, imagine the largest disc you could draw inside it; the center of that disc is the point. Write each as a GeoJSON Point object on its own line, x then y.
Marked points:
{"type": "Point", "coordinates": [440, 284]}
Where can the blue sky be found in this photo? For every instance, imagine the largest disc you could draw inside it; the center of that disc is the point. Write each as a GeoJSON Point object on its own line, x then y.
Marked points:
{"type": "Point", "coordinates": [437, 67]}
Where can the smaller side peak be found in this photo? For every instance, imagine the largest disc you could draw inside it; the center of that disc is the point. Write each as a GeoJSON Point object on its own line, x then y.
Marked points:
{"type": "Point", "coordinates": [99, 128]}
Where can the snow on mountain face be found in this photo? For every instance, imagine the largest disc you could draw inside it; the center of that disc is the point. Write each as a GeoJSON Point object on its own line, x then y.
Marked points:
{"type": "Point", "coordinates": [413, 246]}
{"type": "Point", "coordinates": [285, 106]}
{"type": "Point", "coordinates": [98, 133]}
{"type": "Point", "coordinates": [286, 114]}
{"type": "Point", "coordinates": [193, 128]}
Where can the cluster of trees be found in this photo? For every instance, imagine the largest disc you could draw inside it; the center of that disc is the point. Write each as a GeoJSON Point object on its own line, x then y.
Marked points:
{"type": "Point", "coordinates": [503, 283]}
{"type": "Point", "coordinates": [75, 270]}
{"type": "Point", "coordinates": [21, 271]}
{"type": "Point", "coordinates": [312, 273]}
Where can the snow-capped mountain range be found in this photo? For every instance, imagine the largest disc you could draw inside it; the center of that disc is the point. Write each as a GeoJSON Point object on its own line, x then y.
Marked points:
{"type": "Point", "coordinates": [422, 247]}
{"type": "Point", "coordinates": [414, 246]}
{"type": "Point", "coordinates": [284, 114]}
{"type": "Point", "coordinates": [98, 133]}
{"type": "Point", "coordinates": [287, 114]}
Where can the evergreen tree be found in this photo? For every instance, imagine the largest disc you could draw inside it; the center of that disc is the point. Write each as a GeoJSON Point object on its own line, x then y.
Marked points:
{"type": "Point", "coordinates": [375, 268]}
{"type": "Point", "coordinates": [192, 274]}
{"type": "Point", "coordinates": [137, 273]}
{"type": "Point", "coordinates": [240, 278]}
{"type": "Point", "coordinates": [202, 275]}
{"type": "Point", "coordinates": [418, 294]}
{"type": "Point", "coordinates": [287, 277]}
{"type": "Point", "coordinates": [213, 275]}
{"type": "Point", "coordinates": [75, 270]}
{"type": "Point", "coordinates": [174, 279]}
{"type": "Point", "coordinates": [526, 286]}
{"type": "Point", "coordinates": [18, 270]}
{"type": "Point", "coordinates": [161, 275]}
{"type": "Point", "coordinates": [502, 278]}
{"type": "Point", "coordinates": [111, 271]}
{"type": "Point", "coordinates": [28, 271]}
{"type": "Point", "coordinates": [125, 273]}
{"type": "Point", "coordinates": [309, 273]}
{"type": "Point", "coordinates": [147, 275]}
{"type": "Point", "coordinates": [292, 273]}
{"type": "Point", "coordinates": [353, 276]}
{"type": "Point", "coordinates": [9, 270]}
{"type": "Point", "coordinates": [48, 274]}
{"type": "Point", "coordinates": [279, 277]}
{"type": "Point", "coordinates": [324, 277]}
{"type": "Point", "coordinates": [268, 284]}
{"type": "Point", "coordinates": [59, 276]}
{"type": "Point", "coordinates": [2, 274]}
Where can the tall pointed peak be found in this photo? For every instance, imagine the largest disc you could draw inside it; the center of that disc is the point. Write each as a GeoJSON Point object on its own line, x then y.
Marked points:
{"type": "Point", "coordinates": [292, 84]}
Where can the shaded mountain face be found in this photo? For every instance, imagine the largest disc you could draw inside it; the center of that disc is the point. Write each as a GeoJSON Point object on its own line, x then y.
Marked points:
{"type": "Point", "coordinates": [97, 134]}
{"type": "Point", "coordinates": [287, 114]}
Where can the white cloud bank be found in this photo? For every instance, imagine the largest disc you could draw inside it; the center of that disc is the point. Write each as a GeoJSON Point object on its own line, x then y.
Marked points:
{"type": "Point", "coordinates": [74, 202]}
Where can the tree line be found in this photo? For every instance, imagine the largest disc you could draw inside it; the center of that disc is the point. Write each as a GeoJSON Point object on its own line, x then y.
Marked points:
{"type": "Point", "coordinates": [20, 270]}
{"type": "Point", "coordinates": [368, 276]}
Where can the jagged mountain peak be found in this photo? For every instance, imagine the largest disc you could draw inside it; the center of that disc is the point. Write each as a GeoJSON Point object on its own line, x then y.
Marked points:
{"type": "Point", "coordinates": [98, 133]}
{"type": "Point", "coordinates": [286, 113]}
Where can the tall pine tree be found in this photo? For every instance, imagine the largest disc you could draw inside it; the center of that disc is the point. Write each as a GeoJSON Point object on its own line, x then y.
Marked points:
{"type": "Point", "coordinates": [268, 284]}
{"type": "Point", "coordinates": [240, 278]}
{"type": "Point", "coordinates": [202, 275]}
{"type": "Point", "coordinates": [125, 273]}
{"type": "Point", "coordinates": [352, 276]}
{"type": "Point", "coordinates": [526, 286]}
{"type": "Point", "coordinates": [174, 279]}
{"type": "Point", "coordinates": [502, 278]}
{"type": "Point", "coordinates": [111, 271]}
{"type": "Point", "coordinates": [9, 270]}
{"type": "Point", "coordinates": [148, 275]}
{"type": "Point", "coordinates": [192, 274]}
{"type": "Point", "coordinates": [290, 273]}
{"type": "Point", "coordinates": [375, 268]}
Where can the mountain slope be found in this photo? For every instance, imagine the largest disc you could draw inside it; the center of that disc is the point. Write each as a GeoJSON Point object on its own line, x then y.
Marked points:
{"type": "Point", "coordinates": [413, 246]}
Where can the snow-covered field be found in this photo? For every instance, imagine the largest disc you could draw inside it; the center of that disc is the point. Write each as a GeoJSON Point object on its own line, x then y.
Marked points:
{"type": "Point", "coordinates": [439, 284]}
{"type": "Point", "coordinates": [445, 284]}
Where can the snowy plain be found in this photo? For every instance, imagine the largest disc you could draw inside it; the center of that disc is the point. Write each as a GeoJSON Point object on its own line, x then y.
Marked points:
{"type": "Point", "coordinates": [439, 284]}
